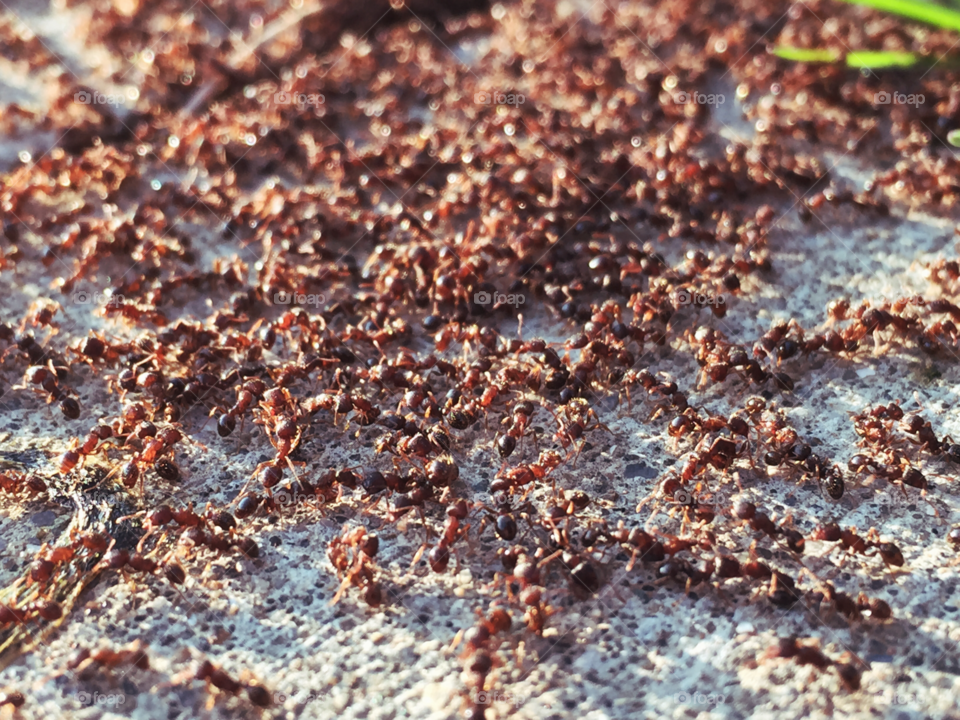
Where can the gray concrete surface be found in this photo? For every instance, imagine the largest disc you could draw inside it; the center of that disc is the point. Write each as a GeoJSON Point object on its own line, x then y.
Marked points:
{"type": "Point", "coordinates": [639, 649]}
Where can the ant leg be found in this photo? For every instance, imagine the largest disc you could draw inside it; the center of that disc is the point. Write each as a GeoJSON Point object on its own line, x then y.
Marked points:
{"type": "Point", "coordinates": [419, 554]}
{"type": "Point", "coordinates": [736, 478]}
{"type": "Point", "coordinates": [599, 425]}
{"type": "Point", "coordinates": [724, 598]}
{"type": "Point", "coordinates": [923, 496]}
{"type": "Point", "coordinates": [657, 411]}
{"type": "Point", "coordinates": [368, 510]}
{"type": "Point", "coordinates": [346, 583]}
{"type": "Point", "coordinates": [423, 521]}
{"type": "Point", "coordinates": [576, 457]}
{"type": "Point", "coordinates": [146, 535]}
{"type": "Point", "coordinates": [292, 468]}
{"type": "Point", "coordinates": [749, 451]}
{"type": "Point", "coordinates": [645, 500]}
{"type": "Point", "coordinates": [143, 489]}
{"type": "Point", "coordinates": [550, 558]}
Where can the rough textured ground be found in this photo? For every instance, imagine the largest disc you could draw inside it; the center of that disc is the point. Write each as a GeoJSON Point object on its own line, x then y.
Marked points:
{"type": "Point", "coordinates": [640, 647]}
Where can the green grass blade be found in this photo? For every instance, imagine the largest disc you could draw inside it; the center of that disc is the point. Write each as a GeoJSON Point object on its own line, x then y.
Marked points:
{"type": "Point", "coordinates": [920, 11]}
{"type": "Point", "coordinates": [811, 55]}
{"type": "Point", "coordinates": [862, 59]}
{"type": "Point", "coordinates": [870, 59]}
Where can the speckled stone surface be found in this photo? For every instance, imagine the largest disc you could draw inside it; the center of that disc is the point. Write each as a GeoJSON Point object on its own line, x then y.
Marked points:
{"type": "Point", "coordinates": [640, 648]}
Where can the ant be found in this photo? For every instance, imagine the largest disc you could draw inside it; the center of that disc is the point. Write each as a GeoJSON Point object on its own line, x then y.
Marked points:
{"type": "Point", "coordinates": [134, 654]}
{"type": "Point", "coordinates": [13, 698]}
{"type": "Point", "coordinates": [439, 555]}
{"type": "Point", "coordinates": [759, 521]}
{"type": "Point", "coordinates": [565, 510]}
{"type": "Point", "coordinates": [808, 653]}
{"type": "Point", "coordinates": [874, 424]}
{"type": "Point", "coordinates": [897, 470]}
{"type": "Point", "coordinates": [851, 542]}
{"type": "Point", "coordinates": [505, 517]}
{"type": "Point", "coordinates": [152, 443]}
{"type": "Point", "coordinates": [46, 376]}
{"type": "Point", "coordinates": [288, 434]}
{"type": "Point", "coordinates": [672, 488]}
{"type": "Point", "coordinates": [97, 348]}
{"type": "Point", "coordinates": [481, 642]}
{"type": "Point", "coordinates": [247, 394]}
{"type": "Point", "coordinates": [133, 312]}
{"type": "Point", "coordinates": [526, 572]}
{"type": "Point", "coordinates": [506, 480]}
{"type": "Point", "coordinates": [853, 609]}
{"type": "Point", "coordinates": [574, 421]}
{"type": "Point", "coordinates": [13, 481]}
{"type": "Point", "coordinates": [216, 677]}
{"type": "Point", "coordinates": [516, 428]}
{"type": "Point", "coordinates": [914, 424]}
{"type": "Point", "coordinates": [357, 569]}
{"type": "Point", "coordinates": [40, 314]}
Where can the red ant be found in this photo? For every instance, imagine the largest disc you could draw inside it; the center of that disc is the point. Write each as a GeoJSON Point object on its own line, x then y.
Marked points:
{"type": "Point", "coordinates": [481, 642]}
{"type": "Point", "coordinates": [357, 569]}
{"type": "Point", "coordinates": [216, 677]}
{"type": "Point", "coordinates": [809, 654]}
{"type": "Point", "coordinates": [853, 543]}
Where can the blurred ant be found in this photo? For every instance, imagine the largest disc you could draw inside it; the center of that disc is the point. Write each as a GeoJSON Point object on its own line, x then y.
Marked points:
{"type": "Point", "coordinates": [853, 609]}
{"type": "Point", "coordinates": [356, 569]}
{"type": "Point", "coordinates": [218, 678]}
{"type": "Point", "coordinates": [97, 348]}
{"type": "Point", "coordinates": [13, 481]}
{"type": "Point", "coordinates": [40, 314]}
{"type": "Point", "coordinates": [134, 654]}
{"type": "Point", "coordinates": [808, 653]}
{"type": "Point", "coordinates": [479, 658]}
{"type": "Point", "coordinates": [527, 573]}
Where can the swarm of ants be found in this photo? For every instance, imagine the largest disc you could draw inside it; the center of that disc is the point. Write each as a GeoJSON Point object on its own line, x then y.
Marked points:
{"type": "Point", "coordinates": [417, 247]}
